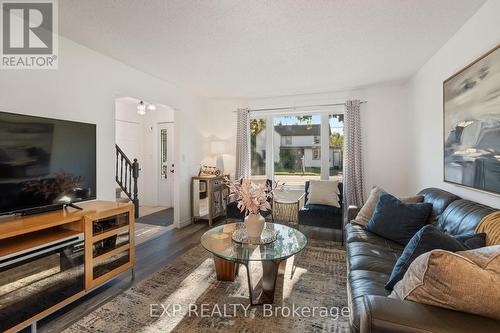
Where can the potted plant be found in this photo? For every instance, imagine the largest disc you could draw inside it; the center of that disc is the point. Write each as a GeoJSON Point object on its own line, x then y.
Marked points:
{"type": "Point", "coordinates": [252, 199]}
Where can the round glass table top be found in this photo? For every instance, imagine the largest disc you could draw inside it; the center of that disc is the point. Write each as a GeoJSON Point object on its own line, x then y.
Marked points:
{"type": "Point", "coordinates": [218, 241]}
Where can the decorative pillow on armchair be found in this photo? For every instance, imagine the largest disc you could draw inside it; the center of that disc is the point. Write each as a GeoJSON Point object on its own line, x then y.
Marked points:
{"type": "Point", "coordinates": [396, 220]}
{"type": "Point", "coordinates": [467, 281]}
{"type": "Point", "coordinates": [427, 239]}
{"type": "Point", "coordinates": [323, 192]}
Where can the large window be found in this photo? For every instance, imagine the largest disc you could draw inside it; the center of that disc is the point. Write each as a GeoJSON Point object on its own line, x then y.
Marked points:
{"type": "Point", "coordinates": [294, 148]}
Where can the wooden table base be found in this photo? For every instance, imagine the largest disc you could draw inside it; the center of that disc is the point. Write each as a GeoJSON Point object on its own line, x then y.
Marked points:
{"type": "Point", "coordinates": [226, 270]}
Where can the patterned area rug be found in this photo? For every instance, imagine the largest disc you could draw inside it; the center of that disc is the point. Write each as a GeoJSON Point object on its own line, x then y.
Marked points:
{"type": "Point", "coordinates": [314, 278]}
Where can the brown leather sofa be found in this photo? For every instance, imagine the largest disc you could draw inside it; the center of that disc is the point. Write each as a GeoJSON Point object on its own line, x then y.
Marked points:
{"type": "Point", "coordinates": [370, 259]}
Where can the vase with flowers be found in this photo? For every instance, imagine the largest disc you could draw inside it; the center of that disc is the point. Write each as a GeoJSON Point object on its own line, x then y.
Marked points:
{"type": "Point", "coordinates": [252, 199]}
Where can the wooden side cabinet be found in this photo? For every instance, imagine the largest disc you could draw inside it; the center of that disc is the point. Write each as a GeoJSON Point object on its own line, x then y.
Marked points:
{"type": "Point", "coordinates": [209, 198]}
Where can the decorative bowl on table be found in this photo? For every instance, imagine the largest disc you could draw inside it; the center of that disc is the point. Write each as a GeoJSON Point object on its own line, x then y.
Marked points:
{"type": "Point", "coordinates": [240, 235]}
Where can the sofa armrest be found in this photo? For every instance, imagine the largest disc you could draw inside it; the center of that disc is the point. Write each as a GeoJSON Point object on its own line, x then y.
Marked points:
{"type": "Point", "coordinates": [384, 314]}
{"type": "Point", "coordinates": [352, 212]}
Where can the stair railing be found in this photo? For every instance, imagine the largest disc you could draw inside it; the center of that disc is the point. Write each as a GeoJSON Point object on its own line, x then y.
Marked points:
{"type": "Point", "coordinates": [126, 175]}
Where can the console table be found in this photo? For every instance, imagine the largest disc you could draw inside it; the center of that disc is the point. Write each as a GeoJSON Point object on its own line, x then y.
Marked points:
{"type": "Point", "coordinates": [49, 260]}
{"type": "Point", "coordinates": [209, 198]}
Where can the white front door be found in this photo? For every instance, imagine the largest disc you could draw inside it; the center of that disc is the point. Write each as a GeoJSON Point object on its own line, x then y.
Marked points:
{"type": "Point", "coordinates": [165, 164]}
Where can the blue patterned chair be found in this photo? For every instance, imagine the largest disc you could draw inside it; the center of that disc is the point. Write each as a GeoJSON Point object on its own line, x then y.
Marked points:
{"type": "Point", "coordinates": [321, 215]}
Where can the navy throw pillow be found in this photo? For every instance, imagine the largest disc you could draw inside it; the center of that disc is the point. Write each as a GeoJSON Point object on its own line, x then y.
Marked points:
{"type": "Point", "coordinates": [396, 220]}
{"type": "Point", "coordinates": [472, 241]}
{"type": "Point", "coordinates": [427, 239]}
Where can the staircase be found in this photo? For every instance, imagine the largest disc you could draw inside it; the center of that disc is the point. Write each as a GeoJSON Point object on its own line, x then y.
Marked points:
{"type": "Point", "coordinates": [126, 175]}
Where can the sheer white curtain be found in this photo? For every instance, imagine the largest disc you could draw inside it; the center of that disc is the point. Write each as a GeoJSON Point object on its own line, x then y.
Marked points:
{"type": "Point", "coordinates": [243, 144]}
{"type": "Point", "coordinates": [353, 178]}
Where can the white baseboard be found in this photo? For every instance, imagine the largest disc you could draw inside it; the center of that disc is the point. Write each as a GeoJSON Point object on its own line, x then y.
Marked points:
{"type": "Point", "coordinates": [185, 223]}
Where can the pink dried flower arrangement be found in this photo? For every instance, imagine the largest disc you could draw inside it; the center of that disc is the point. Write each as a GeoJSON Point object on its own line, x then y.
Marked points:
{"type": "Point", "coordinates": [252, 198]}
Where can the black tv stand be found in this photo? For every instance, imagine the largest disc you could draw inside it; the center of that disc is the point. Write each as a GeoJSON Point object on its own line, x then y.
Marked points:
{"type": "Point", "coordinates": [72, 205]}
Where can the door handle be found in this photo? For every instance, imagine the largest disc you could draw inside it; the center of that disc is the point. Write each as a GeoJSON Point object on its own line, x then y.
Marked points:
{"type": "Point", "coordinates": [172, 171]}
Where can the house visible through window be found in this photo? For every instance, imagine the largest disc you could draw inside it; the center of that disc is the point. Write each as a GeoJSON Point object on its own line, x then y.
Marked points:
{"type": "Point", "coordinates": [287, 147]}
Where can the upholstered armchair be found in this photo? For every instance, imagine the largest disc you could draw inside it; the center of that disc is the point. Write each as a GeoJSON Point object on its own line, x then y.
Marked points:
{"type": "Point", "coordinates": [321, 215]}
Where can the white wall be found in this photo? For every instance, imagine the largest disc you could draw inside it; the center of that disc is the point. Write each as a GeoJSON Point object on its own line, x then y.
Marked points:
{"type": "Point", "coordinates": [384, 128]}
{"type": "Point", "coordinates": [84, 89]}
{"type": "Point", "coordinates": [480, 34]}
{"type": "Point", "coordinates": [218, 122]}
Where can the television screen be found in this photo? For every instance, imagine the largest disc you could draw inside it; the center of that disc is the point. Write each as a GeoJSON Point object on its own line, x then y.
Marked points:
{"type": "Point", "coordinates": [45, 163]}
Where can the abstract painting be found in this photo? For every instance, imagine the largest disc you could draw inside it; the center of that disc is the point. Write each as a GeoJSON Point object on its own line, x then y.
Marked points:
{"type": "Point", "coordinates": [472, 125]}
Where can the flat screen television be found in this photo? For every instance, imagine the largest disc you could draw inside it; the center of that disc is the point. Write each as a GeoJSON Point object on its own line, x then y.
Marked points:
{"type": "Point", "coordinates": [45, 163]}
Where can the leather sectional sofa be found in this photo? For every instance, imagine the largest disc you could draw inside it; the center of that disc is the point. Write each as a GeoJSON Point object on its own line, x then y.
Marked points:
{"type": "Point", "coordinates": [370, 259]}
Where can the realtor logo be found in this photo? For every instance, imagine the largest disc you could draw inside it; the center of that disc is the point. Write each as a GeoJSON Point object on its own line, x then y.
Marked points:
{"type": "Point", "coordinates": [29, 34]}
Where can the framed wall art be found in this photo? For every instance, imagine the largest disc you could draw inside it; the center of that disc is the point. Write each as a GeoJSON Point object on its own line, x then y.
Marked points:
{"type": "Point", "coordinates": [472, 125]}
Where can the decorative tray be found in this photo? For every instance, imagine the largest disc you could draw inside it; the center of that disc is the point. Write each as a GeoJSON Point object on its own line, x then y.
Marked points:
{"type": "Point", "coordinates": [268, 236]}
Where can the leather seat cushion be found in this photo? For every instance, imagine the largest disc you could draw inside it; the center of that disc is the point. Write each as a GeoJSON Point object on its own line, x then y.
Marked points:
{"type": "Point", "coordinates": [361, 283]}
{"type": "Point", "coordinates": [356, 233]}
{"type": "Point", "coordinates": [371, 257]}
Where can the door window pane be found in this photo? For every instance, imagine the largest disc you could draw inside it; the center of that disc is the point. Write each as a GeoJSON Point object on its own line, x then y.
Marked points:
{"type": "Point", "coordinates": [258, 148]}
{"type": "Point", "coordinates": [336, 157]}
{"type": "Point", "coordinates": [294, 156]}
{"type": "Point", "coordinates": [163, 152]}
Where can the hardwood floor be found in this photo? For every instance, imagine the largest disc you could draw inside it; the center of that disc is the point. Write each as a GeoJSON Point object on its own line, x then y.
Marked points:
{"type": "Point", "coordinates": [151, 256]}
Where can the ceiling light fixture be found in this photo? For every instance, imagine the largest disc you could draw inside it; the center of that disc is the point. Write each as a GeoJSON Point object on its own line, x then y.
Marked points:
{"type": "Point", "coordinates": [151, 107]}
{"type": "Point", "coordinates": [141, 108]}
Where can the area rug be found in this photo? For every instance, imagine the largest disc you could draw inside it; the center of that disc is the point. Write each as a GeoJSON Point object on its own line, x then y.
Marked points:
{"type": "Point", "coordinates": [173, 299]}
{"type": "Point", "coordinates": [162, 218]}
{"type": "Point", "coordinates": [153, 225]}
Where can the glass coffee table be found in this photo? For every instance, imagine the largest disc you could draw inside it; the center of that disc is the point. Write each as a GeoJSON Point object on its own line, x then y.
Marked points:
{"type": "Point", "coordinates": [228, 255]}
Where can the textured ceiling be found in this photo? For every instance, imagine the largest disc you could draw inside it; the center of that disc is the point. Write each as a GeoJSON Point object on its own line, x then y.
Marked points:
{"type": "Point", "coordinates": [256, 48]}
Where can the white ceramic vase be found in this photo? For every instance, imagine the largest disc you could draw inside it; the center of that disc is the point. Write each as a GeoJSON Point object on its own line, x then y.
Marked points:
{"type": "Point", "coordinates": [254, 224]}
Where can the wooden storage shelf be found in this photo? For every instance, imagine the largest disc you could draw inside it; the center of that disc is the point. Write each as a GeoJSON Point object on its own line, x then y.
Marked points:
{"type": "Point", "coordinates": [11, 227]}
{"type": "Point", "coordinates": [111, 253]}
{"type": "Point", "coordinates": [34, 239]}
{"type": "Point", "coordinates": [124, 220]}
{"type": "Point", "coordinates": [110, 232]}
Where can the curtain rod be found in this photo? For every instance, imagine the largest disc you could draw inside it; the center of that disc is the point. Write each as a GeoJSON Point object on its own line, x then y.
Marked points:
{"type": "Point", "coordinates": [299, 107]}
